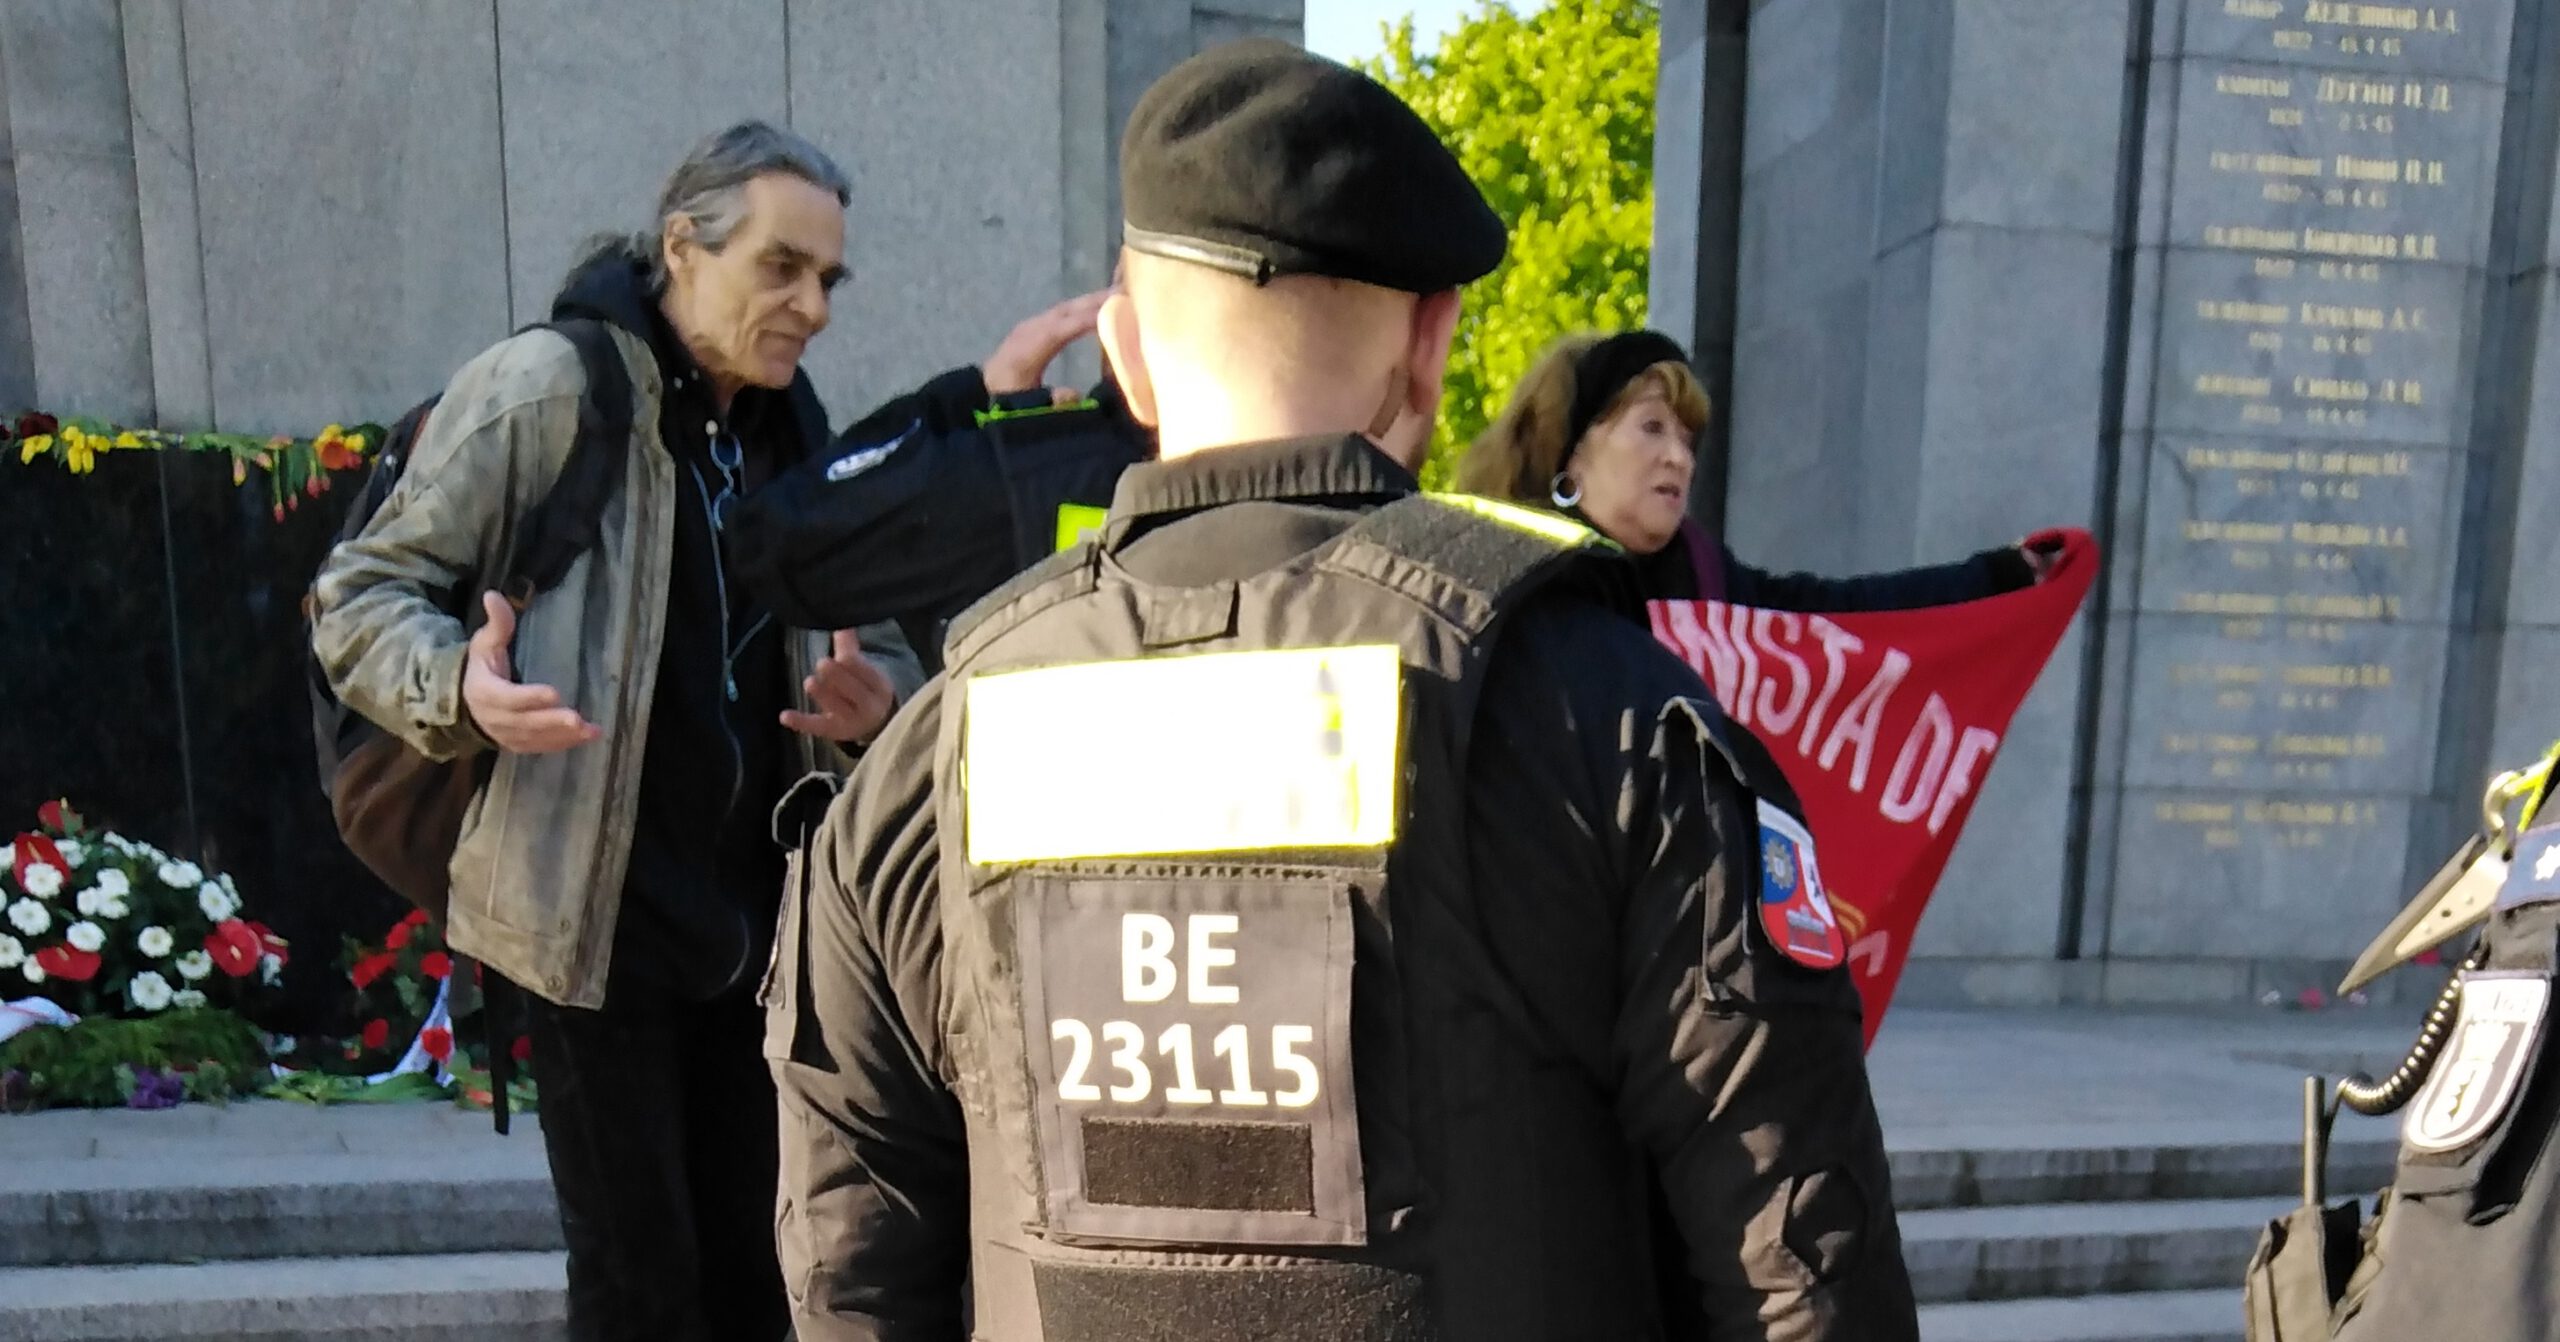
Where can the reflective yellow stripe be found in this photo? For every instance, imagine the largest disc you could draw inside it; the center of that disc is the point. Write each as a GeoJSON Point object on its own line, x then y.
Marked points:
{"type": "Point", "coordinates": [1078, 523]}
{"type": "Point", "coordinates": [1222, 753]}
{"type": "Point", "coordinates": [1561, 530]}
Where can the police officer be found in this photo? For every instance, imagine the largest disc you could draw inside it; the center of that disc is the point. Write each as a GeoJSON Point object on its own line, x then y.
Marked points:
{"type": "Point", "coordinates": [1315, 910]}
{"type": "Point", "coordinates": [2467, 1238]}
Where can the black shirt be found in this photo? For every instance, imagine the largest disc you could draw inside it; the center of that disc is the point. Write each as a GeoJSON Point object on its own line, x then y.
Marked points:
{"type": "Point", "coordinates": [1601, 811]}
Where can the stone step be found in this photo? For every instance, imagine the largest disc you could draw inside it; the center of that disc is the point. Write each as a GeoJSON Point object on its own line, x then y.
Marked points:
{"type": "Point", "coordinates": [2151, 1316]}
{"type": "Point", "coordinates": [182, 1209]}
{"type": "Point", "coordinates": [475, 1297]}
{"type": "Point", "coordinates": [2081, 1249]}
{"type": "Point", "coordinates": [2061, 1169]}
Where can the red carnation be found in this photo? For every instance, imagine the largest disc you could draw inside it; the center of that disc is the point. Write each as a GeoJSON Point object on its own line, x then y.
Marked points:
{"type": "Point", "coordinates": [437, 1041]}
{"type": "Point", "coordinates": [32, 424]}
{"type": "Point", "coordinates": [522, 1049]}
{"type": "Point", "coordinates": [66, 962]}
{"type": "Point", "coordinates": [416, 918]}
{"type": "Point", "coordinates": [435, 964]}
{"type": "Point", "coordinates": [234, 948]}
{"type": "Point", "coordinates": [399, 938]}
{"type": "Point", "coordinates": [32, 849]}
{"type": "Point", "coordinates": [377, 1033]}
{"type": "Point", "coordinates": [370, 968]}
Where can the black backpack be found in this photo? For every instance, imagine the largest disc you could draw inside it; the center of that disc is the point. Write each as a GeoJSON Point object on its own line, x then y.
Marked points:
{"type": "Point", "coordinates": [400, 812]}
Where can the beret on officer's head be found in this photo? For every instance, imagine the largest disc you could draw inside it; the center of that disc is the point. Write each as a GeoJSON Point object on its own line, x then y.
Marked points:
{"type": "Point", "coordinates": [1262, 160]}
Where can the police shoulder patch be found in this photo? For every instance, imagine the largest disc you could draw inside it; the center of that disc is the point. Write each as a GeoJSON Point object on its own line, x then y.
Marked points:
{"type": "Point", "coordinates": [2483, 1064]}
{"type": "Point", "coordinates": [1795, 913]}
{"type": "Point", "coordinates": [2534, 876]}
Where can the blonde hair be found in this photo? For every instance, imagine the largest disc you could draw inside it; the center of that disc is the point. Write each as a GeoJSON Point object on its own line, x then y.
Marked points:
{"type": "Point", "coordinates": [1518, 455]}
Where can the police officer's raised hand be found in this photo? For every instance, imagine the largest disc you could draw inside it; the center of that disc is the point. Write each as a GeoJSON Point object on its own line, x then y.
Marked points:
{"type": "Point", "coordinates": [526, 719]}
{"type": "Point", "coordinates": [1023, 359]}
{"type": "Point", "coordinates": [852, 697]}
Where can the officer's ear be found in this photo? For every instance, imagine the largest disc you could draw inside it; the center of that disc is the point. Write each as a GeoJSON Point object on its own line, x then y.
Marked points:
{"type": "Point", "coordinates": [1117, 328]}
{"type": "Point", "coordinates": [1435, 329]}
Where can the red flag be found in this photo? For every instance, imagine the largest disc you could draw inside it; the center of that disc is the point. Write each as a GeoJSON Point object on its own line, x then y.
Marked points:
{"type": "Point", "coordinates": [1886, 723]}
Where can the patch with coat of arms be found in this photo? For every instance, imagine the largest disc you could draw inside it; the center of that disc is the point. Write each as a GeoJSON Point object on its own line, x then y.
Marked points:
{"type": "Point", "coordinates": [1794, 912]}
{"type": "Point", "coordinates": [2484, 1062]}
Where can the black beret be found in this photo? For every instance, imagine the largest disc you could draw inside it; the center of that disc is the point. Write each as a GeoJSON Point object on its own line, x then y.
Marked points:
{"type": "Point", "coordinates": [1262, 160]}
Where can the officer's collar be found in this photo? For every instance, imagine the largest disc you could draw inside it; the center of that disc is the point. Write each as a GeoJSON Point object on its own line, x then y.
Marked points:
{"type": "Point", "coordinates": [1348, 466]}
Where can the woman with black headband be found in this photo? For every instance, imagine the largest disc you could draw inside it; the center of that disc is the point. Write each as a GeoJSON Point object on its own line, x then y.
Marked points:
{"type": "Point", "coordinates": [1604, 429]}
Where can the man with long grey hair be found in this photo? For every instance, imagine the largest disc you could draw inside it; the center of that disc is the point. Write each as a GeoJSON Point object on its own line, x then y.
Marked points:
{"type": "Point", "coordinates": [639, 720]}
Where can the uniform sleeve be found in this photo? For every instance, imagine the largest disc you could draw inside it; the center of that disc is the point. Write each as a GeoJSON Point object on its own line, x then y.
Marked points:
{"type": "Point", "coordinates": [872, 1212]}
{"type": "Point", "coordinates": [1987, 574]}
{"type": "Point", "coordinates": [1741, 1074]}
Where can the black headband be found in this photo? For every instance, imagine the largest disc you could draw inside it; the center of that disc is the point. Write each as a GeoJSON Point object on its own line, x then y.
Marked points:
{"type": "Point", "coordinates": [1604, 370]}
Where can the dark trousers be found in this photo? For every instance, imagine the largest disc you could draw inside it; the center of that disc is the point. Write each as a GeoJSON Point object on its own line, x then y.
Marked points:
{"type": "Point", "coordinates": [659, 1119]}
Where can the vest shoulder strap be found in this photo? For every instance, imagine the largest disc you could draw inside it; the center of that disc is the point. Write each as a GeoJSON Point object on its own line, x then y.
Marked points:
{"type": "Point", "coordinates": [1061, 576]}
{"type": "Point", "coordinates": [1471, 559]}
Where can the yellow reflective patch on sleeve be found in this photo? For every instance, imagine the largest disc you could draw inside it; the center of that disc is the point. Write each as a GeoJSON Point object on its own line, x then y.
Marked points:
{"type": "Point", "coordinates": [1078, 523]}
{"type": "Point", "coordinates": [1221, 753]}
{"type": "Point", "coordinates": [1561, 530]}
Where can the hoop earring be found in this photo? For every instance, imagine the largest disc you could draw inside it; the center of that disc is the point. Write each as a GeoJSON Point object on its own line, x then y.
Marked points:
{"type": "Point", "coordinates": [1564, 490]}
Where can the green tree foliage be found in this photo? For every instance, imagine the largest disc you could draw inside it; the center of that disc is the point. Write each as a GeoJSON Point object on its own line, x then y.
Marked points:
{"type": "Point", "coordinates": [1552, 115]}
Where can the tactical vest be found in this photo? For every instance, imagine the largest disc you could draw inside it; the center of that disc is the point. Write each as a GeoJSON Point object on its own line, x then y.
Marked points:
{"type": "Point", "coordinates": [1233, 1060]}
{"type": "Point", "coordinates": [2468, 1239]}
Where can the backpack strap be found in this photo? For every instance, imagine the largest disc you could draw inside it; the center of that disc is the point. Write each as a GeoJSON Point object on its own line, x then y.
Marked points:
{"type": "Point", "coordinates": [567, 522]}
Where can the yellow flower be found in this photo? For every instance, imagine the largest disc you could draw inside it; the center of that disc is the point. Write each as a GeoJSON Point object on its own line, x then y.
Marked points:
{"type": "Point", "coordinates": [84, 458]}
{"type": "Point", "coordinates": [128, 438]}
{"type": "Point", "coordinates": [35, 447]}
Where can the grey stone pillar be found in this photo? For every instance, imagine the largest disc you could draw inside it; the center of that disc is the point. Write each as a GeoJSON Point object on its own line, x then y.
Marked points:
{"type": "Point", "coordinates": [1697, 210]}
{"type": "Point", "coordinates": [2315, 249]}
{"type": "Point", "coordinates": [1929, 195]}
{"type": "Point", "coordinates": [88, 341]}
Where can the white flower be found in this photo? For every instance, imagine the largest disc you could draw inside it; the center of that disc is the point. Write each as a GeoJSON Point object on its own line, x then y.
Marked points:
{"type": "Point", "coordinates": [186, 999]}
{"type": "Point", "coordinates": [155, 942]}
{"type": "Point", "coordinates": [30, 917]}
{"type": "Point", "coordinates": [99, 902]}
{"type": "Point", "coordinates": [8, 856]}
{"type": "Point", "coordinates": [224, 880]}
{"type": "Point", "coordinates": [150, 991]}
{"type": "Point", "coordinates": [181, 875]}
{"type": "Point", "coordinates": [216, 903]}
{"type": "Point", "coordinates": [114, 882]}
{"type": "Point", "coordinates": [85, 936]}
{"type": "Point", "coordinates": [12, 954]}
{"type": "Point", "coordinates": [194, 965]}
{"type": "Point", "coordinates": [72, 851]}
{"type": "Point", "coordinates": [113, 907]}
{"type": "Point", "coordinates": [270, 970]}
{"type": "Point", "coordinates": [42, 880]}
{"type": "Point", "coordinates": [34, 971]}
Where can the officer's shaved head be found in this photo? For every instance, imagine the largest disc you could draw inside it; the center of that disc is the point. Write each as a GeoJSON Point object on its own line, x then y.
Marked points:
{"type": "Point", "coordinates": [1211, 358]}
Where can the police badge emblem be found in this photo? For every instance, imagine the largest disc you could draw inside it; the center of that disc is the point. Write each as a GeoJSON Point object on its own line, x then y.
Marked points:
{"type": "Point", "coordinates": [1794, 913]}
{"type": "Point", "coordinates": [2484, 1064]}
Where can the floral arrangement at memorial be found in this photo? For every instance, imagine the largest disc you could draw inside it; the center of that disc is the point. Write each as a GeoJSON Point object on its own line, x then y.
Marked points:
{"type": "Point", "coordinates": [124, 971]}
{"type": "Point", "coordinates": [296, 468]}
{"type": "Point", "coordinates": [421, 1028]}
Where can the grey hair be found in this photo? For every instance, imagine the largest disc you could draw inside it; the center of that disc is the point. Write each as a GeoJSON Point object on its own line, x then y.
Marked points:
{"type": "Point", "coordinates": [710, 189]}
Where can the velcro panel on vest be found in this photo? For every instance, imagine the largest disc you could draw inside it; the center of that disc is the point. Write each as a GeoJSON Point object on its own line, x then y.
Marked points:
{"type": "Point", "coordinates": [1229, 1167]}
{"type": "Point", "coordinates": [1336, 1302]}
{"type": "Point", "coordinates": [1468, 560]}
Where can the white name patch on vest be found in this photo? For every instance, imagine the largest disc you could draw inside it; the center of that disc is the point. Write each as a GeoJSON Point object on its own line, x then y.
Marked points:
{"type": "Point", "coordinates": [1224, 752]}
{"type": "Point", "coordinates": [2483, 1064]}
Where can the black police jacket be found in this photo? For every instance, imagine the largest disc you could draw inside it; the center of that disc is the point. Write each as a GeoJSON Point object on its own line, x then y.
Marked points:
{"type": "Point", "coordinates": [1612, 887]}
{"type": "Point", "coordinates": [928, 503]}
